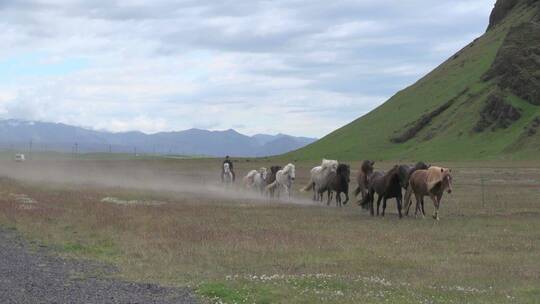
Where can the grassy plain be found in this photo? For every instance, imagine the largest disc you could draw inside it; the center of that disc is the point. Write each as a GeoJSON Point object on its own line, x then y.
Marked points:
{"type": "Point", "coordinates": [174, 224]}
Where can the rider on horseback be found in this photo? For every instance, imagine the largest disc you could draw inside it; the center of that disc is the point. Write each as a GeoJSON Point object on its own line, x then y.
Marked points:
{"type": "Point", "coordinates": [230, 163]}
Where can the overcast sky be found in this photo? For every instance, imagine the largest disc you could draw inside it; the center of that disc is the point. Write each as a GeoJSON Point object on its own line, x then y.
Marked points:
{"type": "Point", "coordinates": [291, 66]}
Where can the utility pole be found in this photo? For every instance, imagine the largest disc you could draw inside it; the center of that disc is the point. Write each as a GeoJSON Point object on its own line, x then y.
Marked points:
{"type": "Point", "coordinates": [30, 152]}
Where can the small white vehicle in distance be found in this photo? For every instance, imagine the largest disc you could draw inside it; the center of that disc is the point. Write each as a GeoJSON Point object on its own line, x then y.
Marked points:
{"type": "Point", "coordinates": [19, 158]}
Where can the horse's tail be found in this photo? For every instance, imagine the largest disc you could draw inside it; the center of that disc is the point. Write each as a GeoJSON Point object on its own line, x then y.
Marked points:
{"type": "Point", "coordinates": [271, 186]}
{"type": "Point", "coordinates": [308, 187]}
{"type": "Point", "coordinates": [364, 203]}
{"type": "Point", "coordinates": [357, 190]}
{"type": "Point", "coordinates": [407, 200]}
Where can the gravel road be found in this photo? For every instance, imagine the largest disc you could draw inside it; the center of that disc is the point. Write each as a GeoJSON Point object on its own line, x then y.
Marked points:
{"type": "Point", "coordinates": [29, 275]}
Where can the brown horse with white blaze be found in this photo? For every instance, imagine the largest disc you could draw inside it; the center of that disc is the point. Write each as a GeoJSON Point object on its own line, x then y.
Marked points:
{"type": "Point", "coordinates": [432, 182]}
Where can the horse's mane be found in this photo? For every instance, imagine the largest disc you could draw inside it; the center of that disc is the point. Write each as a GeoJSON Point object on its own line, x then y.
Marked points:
{"type": "Point", "coordinates": [367, 166]}
{"type": "Point", "coordinates": [436, 175]}
{"type": "Point", "coordinates": [326, 163]}
{"type": "Point", "coordinates": [251, 174]}
{"type": "Point", "coordinates": [342, 168]}
{"type": "Point", "coordinates": [288, 168]}
{"type": "Point", "coordinates": [391, 175]}
{"type": "Point", "coordinates": [421, 166]}
{"type": "Point", "coordinates": [275, 169]}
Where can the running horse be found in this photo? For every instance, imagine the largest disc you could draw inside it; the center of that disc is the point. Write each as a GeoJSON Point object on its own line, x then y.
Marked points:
{"type": "Point", "coordinates": [227, 175]}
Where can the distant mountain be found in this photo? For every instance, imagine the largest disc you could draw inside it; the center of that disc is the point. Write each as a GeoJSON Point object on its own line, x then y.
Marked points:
{"type": "Point", "coordinates": [19, 134]}
{"type": "Point", "coordinates": [264, 139]}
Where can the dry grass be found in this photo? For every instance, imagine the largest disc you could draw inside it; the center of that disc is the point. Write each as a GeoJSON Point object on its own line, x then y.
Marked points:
{"type": "Point", "coordinates": [239, 248]}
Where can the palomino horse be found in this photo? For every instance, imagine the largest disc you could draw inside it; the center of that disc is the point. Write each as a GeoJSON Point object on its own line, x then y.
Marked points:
{"type": "Point", "coordinates": [362, 178]}
{"type": "Point", "coordinates": [320, 177]}
{"type": "Point", "coordinates": [227, 176]}
{"type": "Point", "coordinates": [256, 179]}
{"type": "Point", "coordinates": [284, 180]}
{"type": "Point", "coordinates": [339, 183]}
{"type": "Point", "coordinates": [432, 182]}
{"type": "Point", "coordinates": [386, 186]}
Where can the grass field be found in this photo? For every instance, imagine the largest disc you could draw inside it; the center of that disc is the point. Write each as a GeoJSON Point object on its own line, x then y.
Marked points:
{"type": "Point", "coordinates": [170, 222]}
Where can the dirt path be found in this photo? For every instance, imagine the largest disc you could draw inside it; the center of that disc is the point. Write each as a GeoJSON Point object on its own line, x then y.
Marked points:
{"type": "Point", "coordinates": [36, 276]}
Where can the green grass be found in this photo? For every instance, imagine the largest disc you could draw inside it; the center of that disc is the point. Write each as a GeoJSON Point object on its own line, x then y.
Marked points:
{"type": "Point", "coordinates": [369, 136]}
{"type": "Point", "coordinates": [236, 250]}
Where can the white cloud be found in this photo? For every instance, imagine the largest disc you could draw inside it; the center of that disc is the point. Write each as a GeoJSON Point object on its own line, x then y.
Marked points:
{"type": "Point", "coordinates": [300, 67]}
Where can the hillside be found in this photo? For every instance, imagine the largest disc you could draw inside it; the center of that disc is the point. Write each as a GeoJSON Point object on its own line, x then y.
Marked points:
{"type": "Point", "coordinates": [482, 103]}
{"type": "Point", "coordinates": [17, 135]}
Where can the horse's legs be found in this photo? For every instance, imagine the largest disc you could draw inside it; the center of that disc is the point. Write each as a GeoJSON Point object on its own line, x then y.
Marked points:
{"type": "Point", "coordinates": [371, 201]}
{"type": "Point", "coordinates": [439, 196]}
{"type": "Point", "coordinates": [398, 199]}
{"type": "Point", "coordinates": [346, 198]}
{"type": "Point", "coordinates": [384, 206]}
{"type": "Point", "coordinates": [338, 199]}
{"type": "Point", "coordinates": [423, 210]}
{"type": "Point", "coordinates": [419, 199]}
{"type": "Point", "coordinates": [329, 199]}
{"type": "Point", "coordinates": [379, 199]}
{"type": "Point", "coordinates": [288, 191]}
{"type": "Point", "coordinates": [417, 205]}
{"type": "Point", "coordinates": [436, 204]}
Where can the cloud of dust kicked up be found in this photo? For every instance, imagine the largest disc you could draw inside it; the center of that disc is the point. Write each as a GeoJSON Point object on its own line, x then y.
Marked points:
{"type": "Point", "coordinates": [197, 181]}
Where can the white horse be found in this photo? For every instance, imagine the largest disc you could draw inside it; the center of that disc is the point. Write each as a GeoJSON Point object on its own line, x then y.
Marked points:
{"type": "Point", "coordinates": [284, 179]}
{"type": "Point", "coordinates": [320, 178]}
{"type": "Point", "coordinates": [227, 174]}
{"type": "Point", "coordinates": [256, 179]}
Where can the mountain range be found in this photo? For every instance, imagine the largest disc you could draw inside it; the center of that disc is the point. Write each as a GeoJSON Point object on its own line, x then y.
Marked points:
{"type": "Point", "coordinates": [481, 103]}
{"type": "Point", "coordinates": [21, 134]}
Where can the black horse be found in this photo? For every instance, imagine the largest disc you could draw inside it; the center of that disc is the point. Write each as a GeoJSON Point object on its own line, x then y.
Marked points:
{"type": "Point", "coordinates": [405, 171]}
{"type": "Point", "coordinates": [339, 183]}
{"type": "Point", "coordinates": [272, 178]}
{"type": "Point", "coordinates": [386, 186]}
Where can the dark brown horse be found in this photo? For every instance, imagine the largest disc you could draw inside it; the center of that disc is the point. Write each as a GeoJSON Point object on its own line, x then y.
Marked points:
{"type": "Point", "coordinates": [339, 183]}
{"type": "Point", "coordinates": [272, 178]}
{"type": "Point", "coordinates": [362, 178]}
{"type": "Point", "coordinates": [432, 182]}
{"type": "Point", "coordinates": [386, 186]}
{"type": "Point", "coordinates": [406, 170]}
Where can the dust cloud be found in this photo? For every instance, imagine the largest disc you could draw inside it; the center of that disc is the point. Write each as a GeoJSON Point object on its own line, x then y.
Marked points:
{"type": "Point", "coordinates": [193, 179]}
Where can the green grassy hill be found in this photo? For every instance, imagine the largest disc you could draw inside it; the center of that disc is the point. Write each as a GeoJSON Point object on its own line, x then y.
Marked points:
{"type": "Point", "coordinates": [482, 103]}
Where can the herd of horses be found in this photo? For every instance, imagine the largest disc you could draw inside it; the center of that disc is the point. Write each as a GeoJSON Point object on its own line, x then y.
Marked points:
{"type": "Point", "coordinates": [333, 178]}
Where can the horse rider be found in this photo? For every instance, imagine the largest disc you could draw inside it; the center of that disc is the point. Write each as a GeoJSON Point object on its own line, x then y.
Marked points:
{"type": "Point", "coordinates": [228, 161]}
